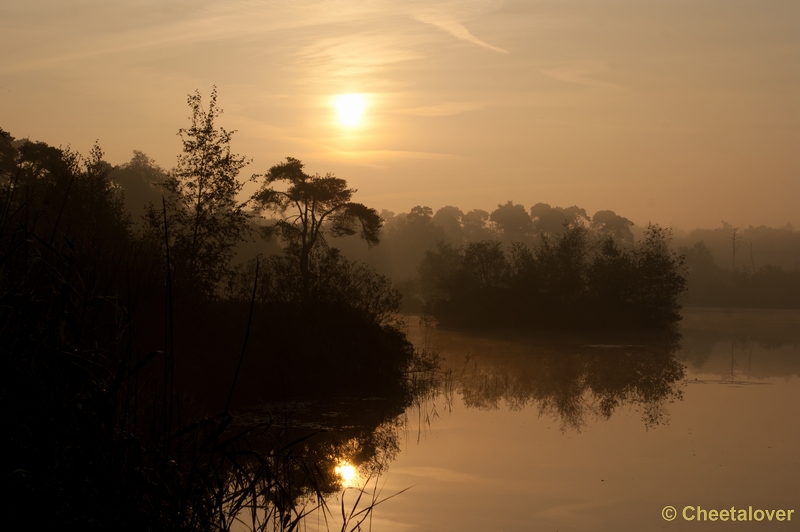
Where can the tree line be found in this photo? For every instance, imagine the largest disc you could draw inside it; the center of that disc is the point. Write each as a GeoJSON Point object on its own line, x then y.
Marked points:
{"type": "Point", "coordinates": [760, 267]}
{"type": "Point", "coordinates": [407, 236]}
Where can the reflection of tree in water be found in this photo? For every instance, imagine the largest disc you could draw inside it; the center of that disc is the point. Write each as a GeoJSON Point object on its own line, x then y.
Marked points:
{"type": "Point", "coordinates": [304, 471]}
{"type": "Point", "coordinates": [306, 442]}
{"type": "Point", "coordinates": [571, 384]}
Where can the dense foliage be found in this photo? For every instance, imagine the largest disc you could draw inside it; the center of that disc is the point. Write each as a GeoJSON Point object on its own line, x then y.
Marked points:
{"type": "Point", "coordinates": [565, 281]}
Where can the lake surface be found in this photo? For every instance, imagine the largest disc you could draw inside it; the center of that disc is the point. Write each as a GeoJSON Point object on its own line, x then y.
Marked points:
{"type": "Point", "coordinates": [566, 433]}
{"type": "Point", "coordinates": [502, 451]}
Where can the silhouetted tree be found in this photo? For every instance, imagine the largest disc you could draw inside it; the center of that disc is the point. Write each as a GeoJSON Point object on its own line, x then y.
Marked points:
{"type": "Point", "coordinates": [475, 227]}
{"type": "Point", "coordinates": [58, 194]}
{"type": "Point", "coordinates": [660, 277]}
{"type": "Point", "coordinates": [550, 221]}
{"type": "Point", "coordinates": [609, 223]}
{"type": "Point", "coordinates": [205, 220]}
{"type": "Point", "coordinates": [562, 267]}
{"type": "Point", "coordinates": [513, 221]}
{"type": "Point", "coordinates": [485, 265]}
{"type": "Point", "coordinates": [436, 269]}
{"type": "Point", "coordinates": [450, 220]}
{"type": "Point", "coordinates": [736, 241]}
{"type": "Point", "coordinates": [420, 215]}
{"type": "Point", "coordinates": [8, 157]}
{"type": "Point", "coordinates": [408, 237]}
{"type": "Point", "coordinates": [611, 283]}
{"type": "Point", "coordinates": [140, 180]}
{"type": "Point", "coordinates": [310, 207]}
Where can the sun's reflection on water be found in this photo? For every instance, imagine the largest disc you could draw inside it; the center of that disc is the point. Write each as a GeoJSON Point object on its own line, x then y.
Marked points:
{"type": "Point", "coordinates": [348, 474]}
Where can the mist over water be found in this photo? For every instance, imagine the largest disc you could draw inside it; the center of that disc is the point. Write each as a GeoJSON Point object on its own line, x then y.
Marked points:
{"type": "Point", "coordinates": [486, 265]}
{"type": "Point", "coordinates": [565, 431]}
{"type": "Point", "coordinates": [569, 441]}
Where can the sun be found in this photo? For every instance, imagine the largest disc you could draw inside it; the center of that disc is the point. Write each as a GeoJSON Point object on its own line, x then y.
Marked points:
{"type": "Point", "coordinates": [350, 108]}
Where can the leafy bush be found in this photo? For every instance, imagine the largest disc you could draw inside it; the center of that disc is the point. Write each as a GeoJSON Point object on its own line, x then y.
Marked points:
{"type": "Point", "coordinates": [566, 281]}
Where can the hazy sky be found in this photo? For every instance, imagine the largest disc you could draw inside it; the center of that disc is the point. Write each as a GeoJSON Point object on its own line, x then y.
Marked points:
{"type": "Point", "coordinates": [679, 112]}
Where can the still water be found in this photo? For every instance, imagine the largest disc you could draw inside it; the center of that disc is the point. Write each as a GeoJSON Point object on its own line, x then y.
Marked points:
{"type": "Point", "coordinates": [537, 435]}
{"type": "Point", "coordinates": [565, 433]}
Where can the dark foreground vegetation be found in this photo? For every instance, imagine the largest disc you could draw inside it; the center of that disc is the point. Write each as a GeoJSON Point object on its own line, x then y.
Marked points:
{"type": "Point", "coordinates": [133, 349]}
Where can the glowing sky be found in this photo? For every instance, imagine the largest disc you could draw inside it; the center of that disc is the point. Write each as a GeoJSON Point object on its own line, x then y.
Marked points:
{"type": "Point", "coordinates": [679, 112]}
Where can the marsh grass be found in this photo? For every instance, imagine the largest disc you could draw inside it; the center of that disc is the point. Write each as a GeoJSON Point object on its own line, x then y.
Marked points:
{"type": "Point", "coordinates": [96, 435]}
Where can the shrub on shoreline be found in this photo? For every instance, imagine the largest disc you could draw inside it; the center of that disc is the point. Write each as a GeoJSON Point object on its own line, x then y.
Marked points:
{"type": "Point", "coordinates": [566, 281]}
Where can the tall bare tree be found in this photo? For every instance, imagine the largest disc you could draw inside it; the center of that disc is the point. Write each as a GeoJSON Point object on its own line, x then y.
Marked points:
{"type": "Point", "coordinates": [736, 241]}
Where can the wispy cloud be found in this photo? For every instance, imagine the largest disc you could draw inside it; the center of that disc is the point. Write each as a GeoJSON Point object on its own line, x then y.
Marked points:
{"type": "Point", "coordinates": [93, 34]}
{"type": "Point", "coordinates": [341, 56]}
{"type": "Point", "coordinates": [449, 24]}
{"type": "Point", "coordinates": [581, 73]}
{"type": "Point", "coordinates": [444, 109]}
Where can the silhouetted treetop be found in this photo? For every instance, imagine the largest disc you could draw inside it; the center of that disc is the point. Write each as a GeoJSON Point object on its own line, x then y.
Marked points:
{"type": "Point", "coordinates": [475, 226]}
{"type": "Point", "coordinates": [611, 224]}
{"type": "Point", "coordinates": [512, 220]}
{"type": "Point", "coordinates": [550, 220]}
{"type": "Point", "coordinates": [309, 207]}
{"type": "Point", "coordinates": [318, 204]}
{"type": "Point", "coordinates": [420, 215]}
{"type": "Point", "coordinates": [141, 180]}
{"type": "Point", "coordinates": [8, 155]}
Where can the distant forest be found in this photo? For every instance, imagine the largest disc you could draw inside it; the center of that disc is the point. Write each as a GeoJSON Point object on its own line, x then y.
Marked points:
{"type": "Point", "coordinates": [756, 267]}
